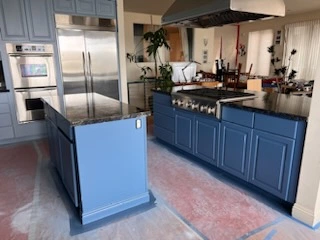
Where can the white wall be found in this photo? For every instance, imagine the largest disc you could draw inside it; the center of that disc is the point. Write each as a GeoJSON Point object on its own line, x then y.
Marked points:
{"type": "Point", "coordinates": [228, 34]}
{"type": "Point", "coordinates": [200, 36]}
{"type": "Point", "coordinates": [122, 58]}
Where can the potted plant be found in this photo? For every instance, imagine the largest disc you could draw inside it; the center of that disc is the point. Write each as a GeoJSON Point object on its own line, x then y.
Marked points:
{"type": "Point", "coordinates": [156, 40]}
{"type": "Point", "coordinates": [282, 70]}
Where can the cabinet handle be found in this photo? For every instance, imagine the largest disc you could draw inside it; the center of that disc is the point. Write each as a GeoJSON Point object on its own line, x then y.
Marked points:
{"type": "Point", "coordinates": [84, 71]}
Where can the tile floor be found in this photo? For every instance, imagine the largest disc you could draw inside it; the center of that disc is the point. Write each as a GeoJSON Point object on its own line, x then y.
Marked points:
{"type": "Point", "coordinates": [192, 202]}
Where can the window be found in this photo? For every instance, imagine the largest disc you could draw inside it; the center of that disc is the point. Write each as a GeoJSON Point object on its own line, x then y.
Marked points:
{"type": "Point", "coordinates": [258, 55]}
{"type": "Point", "coordinates": [304, 37]}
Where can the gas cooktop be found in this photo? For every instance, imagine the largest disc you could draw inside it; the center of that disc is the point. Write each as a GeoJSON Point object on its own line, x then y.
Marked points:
{"type": "Point", "coordinates": [207, 100]}
{"type": "Point", "coordinates": [215, 93]}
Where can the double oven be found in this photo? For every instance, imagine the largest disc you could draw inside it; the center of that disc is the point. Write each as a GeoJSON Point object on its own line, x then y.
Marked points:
{"type": "Point", "coordinates": [33, 76]}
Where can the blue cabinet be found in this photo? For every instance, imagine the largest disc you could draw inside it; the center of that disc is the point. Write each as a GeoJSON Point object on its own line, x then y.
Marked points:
{"type": "Point", "coordinates": [64, 6]}
{"type": "Point", "coordinates": [26, 20]}
{"type": "Point", "coordinates": [95, 8]}
{"type": "Point", "coordinates": [206, 139]}
{"type": "Point", "coordinates": [163, 117]}
{"type": "Point", "coordinates": [184, 131]}
{"type": "Point", "coordinates": [235, 149]}
{"type": "Point", "coordinates": [68, 161]}
{"type": "Point", "coordinates": [100, 177]}
{"type": "Point", "coordinates": [271, 162]}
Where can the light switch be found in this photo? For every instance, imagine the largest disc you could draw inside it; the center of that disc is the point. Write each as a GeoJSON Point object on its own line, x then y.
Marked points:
{"type": "Point", "coordinates": [138, 123]}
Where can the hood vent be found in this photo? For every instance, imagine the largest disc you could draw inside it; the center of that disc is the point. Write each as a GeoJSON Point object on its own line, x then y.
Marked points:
{"type": "Point", "coordinates": [210, 13]}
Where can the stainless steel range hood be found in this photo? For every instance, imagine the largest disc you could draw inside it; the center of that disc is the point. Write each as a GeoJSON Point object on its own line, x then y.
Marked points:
{"type": "Point", "coordinates": [210, 13]}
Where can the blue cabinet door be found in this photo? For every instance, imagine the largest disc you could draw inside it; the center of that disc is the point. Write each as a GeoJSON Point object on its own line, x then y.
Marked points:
{"type": "Point", "coordinates": [67, 155]}
{"type": "Point", "coordinates": [64, 6]}
{"type": "Point", "coordinates": [40, 20]}
{"type": "Point", "coordinates": [207, 139]}
{"type": "Point", "coordinates": [163, 127]}
{"type": "Point", "coordinates": [184, 131]}
{"type": "Point", "coordinates": [86, 7]}
{"type": "Point", "coordinates": [106, 9]}
{"type": "Point", "coordinates": [235, 149]}
{"type": "Point", "coordinates": [13, 20]}
{"type": "Point", "coordinates": [271, 162]}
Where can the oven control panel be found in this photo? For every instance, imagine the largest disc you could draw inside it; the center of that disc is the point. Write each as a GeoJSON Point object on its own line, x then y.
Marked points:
{"type": "Point", "coordinates": [30, 48]}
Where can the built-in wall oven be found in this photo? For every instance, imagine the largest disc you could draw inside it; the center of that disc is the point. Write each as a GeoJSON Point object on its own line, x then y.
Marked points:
{"type": "Point", "coordinates": [33, 76]}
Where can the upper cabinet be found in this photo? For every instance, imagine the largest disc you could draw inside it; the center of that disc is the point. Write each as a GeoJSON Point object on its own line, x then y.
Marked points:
{"type": "Point", "coordinates": [99, 8]}
{"type": "Point", "coordinates": [64, 6]}
{"type": "Point", "coordinates": [30, 20]}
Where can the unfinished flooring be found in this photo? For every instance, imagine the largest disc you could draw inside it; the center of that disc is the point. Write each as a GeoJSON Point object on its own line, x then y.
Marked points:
{"type": "Point", "coordinates": [192, 202]}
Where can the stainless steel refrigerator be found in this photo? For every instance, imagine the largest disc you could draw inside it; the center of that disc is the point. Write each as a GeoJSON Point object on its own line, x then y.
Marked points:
{"type": "Point", "coordinates": [89, 61]}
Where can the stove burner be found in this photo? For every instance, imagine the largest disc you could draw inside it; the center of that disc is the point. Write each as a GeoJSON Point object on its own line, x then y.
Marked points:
{"type": "Point", "coordinates": [206, 100]}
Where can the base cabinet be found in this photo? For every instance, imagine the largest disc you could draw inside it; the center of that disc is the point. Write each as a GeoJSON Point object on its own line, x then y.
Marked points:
{"type": "Point", "coordinates": [235, 149]}
{"type": "Point", "coordinates": [163, 114]}
{"type": "Point", "coordinates": [100, 177]}
{"type": "Point", "coordinates": [206, 139]}
{"type": "Point", "coordinates": [271, 162]}
{"type": "Point", "coordinates": [184, 131]}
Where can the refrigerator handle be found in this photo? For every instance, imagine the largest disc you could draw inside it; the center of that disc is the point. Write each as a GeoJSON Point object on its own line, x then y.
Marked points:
{"type": "Point", "coordinates": [84, 71]}
{"type": "Point", "coordinates": [90, 72]}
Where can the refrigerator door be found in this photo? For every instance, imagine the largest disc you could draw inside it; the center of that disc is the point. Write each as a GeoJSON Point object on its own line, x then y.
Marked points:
{"type": "Point", "coordinates": [73, 61]}
{"type": "Point", "coordinates": [102, 59]}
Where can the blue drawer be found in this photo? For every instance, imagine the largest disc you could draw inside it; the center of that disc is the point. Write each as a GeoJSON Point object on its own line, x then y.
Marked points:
{"type": "Point", "coordinates": [163, 134]}
{"type": "Point", "coordinates": [276, 125]}
{"type": "Point", "coordinates": [238, 116]}
{"type": "Point", "coordinates": [163, 109]}
{"type": "Point", "coordinates": [162, 98]}
{"type": "Point", "coordinates": [164, 121]}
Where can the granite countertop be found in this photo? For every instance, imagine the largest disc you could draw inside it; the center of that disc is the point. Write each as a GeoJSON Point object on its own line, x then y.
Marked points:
{"type": "Point", "coordinates": [282, 105]}
{"type": "Point", "coordinates": [83, 109]}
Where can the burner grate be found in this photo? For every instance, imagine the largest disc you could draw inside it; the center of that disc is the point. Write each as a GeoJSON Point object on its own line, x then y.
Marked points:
{"type": "Point", "coordinates": [215, 93]}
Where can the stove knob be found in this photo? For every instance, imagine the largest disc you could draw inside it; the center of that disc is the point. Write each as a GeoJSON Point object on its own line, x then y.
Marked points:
{"type": "Point", "coordinates": [174, 101]}
{"type": "Point", "coordinates": [211, 110]}
{"type": "Point", "coordinates": [189, 104]}
{"type": "Point", "coordinates": [203, 108]}
{"type": "Point", "coordinates": [180, 103]}
{"type": "Point", "coordinates": [195, 106]}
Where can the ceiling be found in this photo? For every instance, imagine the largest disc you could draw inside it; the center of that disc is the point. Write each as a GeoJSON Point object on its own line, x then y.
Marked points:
{"type": "Point", "coordinates": [159, 7]}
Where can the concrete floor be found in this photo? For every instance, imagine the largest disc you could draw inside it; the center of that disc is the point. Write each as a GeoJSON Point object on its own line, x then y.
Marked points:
{"type": "Point", "coordinates": [192, 202]}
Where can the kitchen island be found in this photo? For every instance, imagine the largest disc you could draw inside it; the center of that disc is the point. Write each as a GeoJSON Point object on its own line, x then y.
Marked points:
{"type": "Point", "coordinates": [98, 146]}
{"type": "Point", "coordinates": [259, 141]}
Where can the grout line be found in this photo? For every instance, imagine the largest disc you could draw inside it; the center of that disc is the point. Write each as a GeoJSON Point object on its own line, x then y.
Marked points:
{"type": "Point", "coordinates": [263, 227]}
{"type": "Point", "coordinates": [36, 196]}
{"type": "Point", "coordinates": [179, 216]}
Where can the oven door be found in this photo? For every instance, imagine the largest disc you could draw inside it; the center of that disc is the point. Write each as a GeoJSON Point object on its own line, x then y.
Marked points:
{"type": "Point", "coordinates": [32, 70]}
{"type": "Point", "coordinates": [29, 104]}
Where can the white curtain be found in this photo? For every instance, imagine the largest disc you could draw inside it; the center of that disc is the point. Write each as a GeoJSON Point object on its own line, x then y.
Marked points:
{"type": "Point", "coordinates": [304, 37]}
{"type": "Point", "coordinates": [258, 55]}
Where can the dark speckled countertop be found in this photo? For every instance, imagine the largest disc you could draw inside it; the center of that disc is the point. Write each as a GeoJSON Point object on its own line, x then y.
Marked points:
{"type": "Point", "coordinates": [83, 109]}
{"type": "Point", "coordinates": [282, 105]}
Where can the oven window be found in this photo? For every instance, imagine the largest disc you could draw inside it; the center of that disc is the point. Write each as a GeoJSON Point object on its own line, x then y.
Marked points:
{"type": "Point", "coordinates": [33, 70]}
